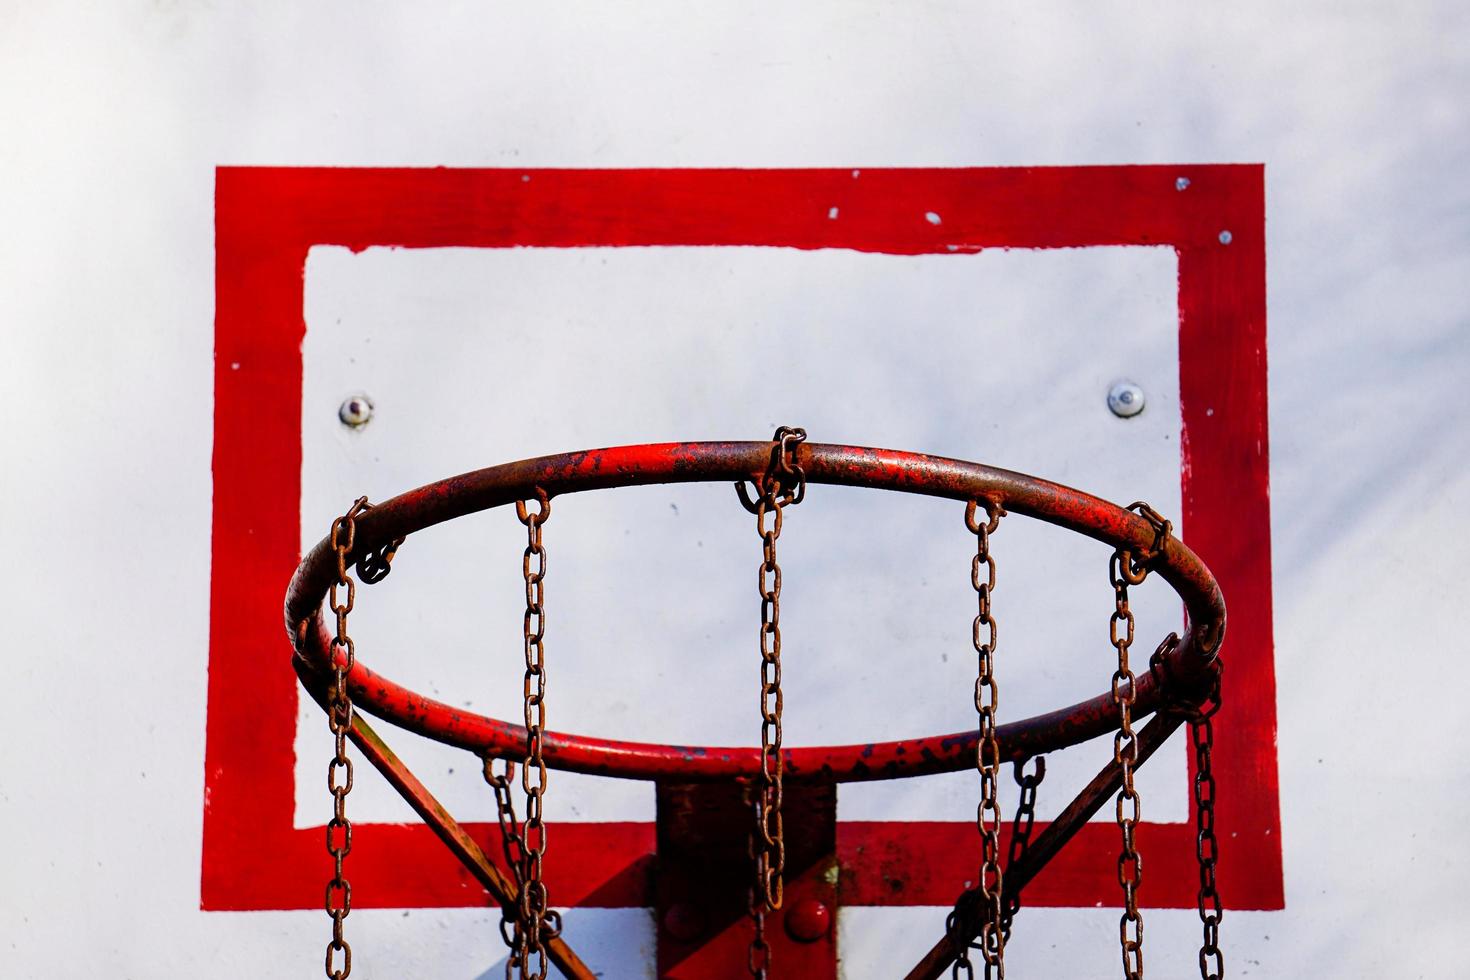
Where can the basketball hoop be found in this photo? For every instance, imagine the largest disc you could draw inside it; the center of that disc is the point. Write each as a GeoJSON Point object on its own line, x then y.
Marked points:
{"type": "Point", "coordinates": [1181, 683]}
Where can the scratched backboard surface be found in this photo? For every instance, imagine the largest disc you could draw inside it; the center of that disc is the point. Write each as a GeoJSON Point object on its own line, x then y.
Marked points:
{"type": "Point", "coordinates": [118, 122]}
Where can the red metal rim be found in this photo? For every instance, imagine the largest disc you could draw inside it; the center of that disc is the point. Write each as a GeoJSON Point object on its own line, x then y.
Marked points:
{"type": "Point", "coordinates": [694, 462]}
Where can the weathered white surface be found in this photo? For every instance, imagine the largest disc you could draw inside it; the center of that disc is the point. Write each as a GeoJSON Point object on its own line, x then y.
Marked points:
{"type": "Point", "coordinates": [115, 119]}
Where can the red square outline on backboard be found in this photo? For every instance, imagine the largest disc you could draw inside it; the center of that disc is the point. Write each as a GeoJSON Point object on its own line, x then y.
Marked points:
{"type": "Point", "coordinates": [266, 220]}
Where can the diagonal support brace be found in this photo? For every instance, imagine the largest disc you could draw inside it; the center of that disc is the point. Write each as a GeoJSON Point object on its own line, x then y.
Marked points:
{"type": "Point", "coordinates": [502, 890]}
{"type": "Point", "coordinates": [1052, 839]}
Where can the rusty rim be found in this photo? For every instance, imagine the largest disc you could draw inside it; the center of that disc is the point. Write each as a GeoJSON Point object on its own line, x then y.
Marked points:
{"type": "Point", "coordinates": [696, 462]}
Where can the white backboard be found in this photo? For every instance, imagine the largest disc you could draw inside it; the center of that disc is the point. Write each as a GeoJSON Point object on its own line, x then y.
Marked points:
{"type": "Point", "coordinates": [118, 122]}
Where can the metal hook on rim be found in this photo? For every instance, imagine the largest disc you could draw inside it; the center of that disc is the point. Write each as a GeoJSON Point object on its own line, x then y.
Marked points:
{"type": "Point", "coordinates": [531, 520]}
{"type": "Point", "coordinates": [993, 511]}
{"type": "Point", "coordinates": [746, 500]}
{"type": "Point", "coordinates": [1022, 777]}
{"type": "Point", "coordinates": [374, 566]}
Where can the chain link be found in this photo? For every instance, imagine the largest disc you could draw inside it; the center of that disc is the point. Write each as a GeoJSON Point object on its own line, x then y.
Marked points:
{"type": "Point", "coordinates": [783, 485]}
{"type": "Point", "coordinates": [339, 719]}
{"type": "Point", "coordinates": [987, 757]}
{"type": "Point", "coordinates": [1125, 569]}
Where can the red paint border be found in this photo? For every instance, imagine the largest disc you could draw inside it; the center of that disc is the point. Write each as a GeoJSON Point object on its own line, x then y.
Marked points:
{"type": "Point", "coordinates": [267, 218]}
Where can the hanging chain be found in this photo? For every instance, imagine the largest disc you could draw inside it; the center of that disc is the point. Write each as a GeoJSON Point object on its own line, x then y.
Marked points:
{"type": "Point", "coordinates": [964, 910]}
{"type": "Point", "coordinates": [512, 847]}
{"type": "Point", "coordinates": [535, 925]}
{"type": "Point", "coordinates": [1125, 569]}
{"type": "Point", "coordinates": [373, 566]}
{"type": "Point", "coordinates": [987, 763]}
{"type": "Point", "coordinates": [1021, 832]}
{"type": "Point", "coordinates": [528, 925]}
{"type": "Point", "coordinates": [758, 956]}
{"type": "Point", "coordinates": [1211, 961]}
{"type": "Point", "coordinates": [1125, 754]}
{"type": "Point", "coordinates": [1207, 846]}
{"type": "Point", "coordinates": [783, 485]}
{"type": "Point", "coordinates": [339, 720]}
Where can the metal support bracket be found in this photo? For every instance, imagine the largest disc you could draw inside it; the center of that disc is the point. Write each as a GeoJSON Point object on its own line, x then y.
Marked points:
{"type": "Point", "coordinates": [703, 877]}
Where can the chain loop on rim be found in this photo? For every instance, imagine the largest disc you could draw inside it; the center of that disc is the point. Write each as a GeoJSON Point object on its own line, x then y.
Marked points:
{"type": "Point", "coordinates": [783, 485]}
{"type": "Point", "coordinates": [1136, 564]}
{"type": "Point", "coordinates": [374, 566]}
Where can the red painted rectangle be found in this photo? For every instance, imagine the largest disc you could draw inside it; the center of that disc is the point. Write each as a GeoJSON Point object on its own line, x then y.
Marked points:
{"type": "Point", "coordinates": [268, 218]}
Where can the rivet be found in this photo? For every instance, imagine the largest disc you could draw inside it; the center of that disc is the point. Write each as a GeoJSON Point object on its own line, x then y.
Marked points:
{"type": "Point", "coordinates": [356, 411]}
{"type": "Point", "coordinates": [808, 920]}
{"type": "Point", "coordinates": [1181, 184]}
{"type": "Point", "coordinates": [931, 217]}
{"type": "Point", "coordinates": [1125, 399]}
{"type": "Point", "coordinates": [1225, 238]}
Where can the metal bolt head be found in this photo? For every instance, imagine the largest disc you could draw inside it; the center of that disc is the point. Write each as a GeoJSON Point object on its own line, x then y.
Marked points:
{"type": "Point", "coordinates": [1125, 399]}
{"type": "Point", "coordinates": [808, 920]}
{"type": "Point", "coordinates": [356, 411]}
{"type": "Point", "coordinates": [1225, 237]}
{"type": "Point", "coordinates": [1181, 184]}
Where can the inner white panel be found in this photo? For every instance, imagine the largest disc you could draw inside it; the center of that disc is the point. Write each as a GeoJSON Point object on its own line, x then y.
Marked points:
{"type": "Point", "coordinates": [479, 356]}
